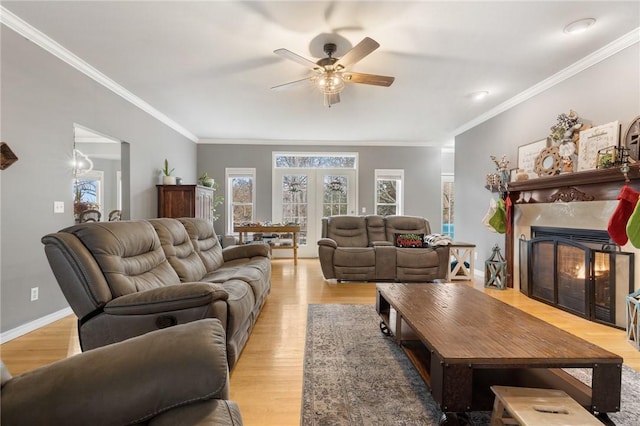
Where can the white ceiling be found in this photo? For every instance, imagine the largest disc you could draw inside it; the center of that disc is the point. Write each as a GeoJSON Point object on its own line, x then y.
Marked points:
{"type": "Point", "coordinates": [209, 65]}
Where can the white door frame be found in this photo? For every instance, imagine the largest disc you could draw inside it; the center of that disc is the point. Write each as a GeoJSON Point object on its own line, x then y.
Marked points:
{"type": "Point", "coordinates": [315, 193]}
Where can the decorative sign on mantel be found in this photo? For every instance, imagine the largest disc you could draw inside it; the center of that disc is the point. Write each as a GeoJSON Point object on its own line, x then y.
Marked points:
{"type": "Point", "coordinates": [593, 140]}
{"type": "Point", "coordinates": [527, 155]}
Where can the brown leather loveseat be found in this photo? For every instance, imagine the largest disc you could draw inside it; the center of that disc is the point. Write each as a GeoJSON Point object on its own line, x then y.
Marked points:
{"type": "Point", "coordinates": [123, 279]}
{"type": "Point", "coordinates": [365, 248]}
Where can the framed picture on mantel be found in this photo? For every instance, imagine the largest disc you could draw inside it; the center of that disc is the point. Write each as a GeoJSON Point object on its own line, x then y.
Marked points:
{"type": "Point", "coordinates": [527, 155]}
{"type": "Point", "coordinates": [593, 140]}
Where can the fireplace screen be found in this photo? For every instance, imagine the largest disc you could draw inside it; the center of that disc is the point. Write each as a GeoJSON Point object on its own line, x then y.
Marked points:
{"type": "Point", "coordinates": [582, 277]}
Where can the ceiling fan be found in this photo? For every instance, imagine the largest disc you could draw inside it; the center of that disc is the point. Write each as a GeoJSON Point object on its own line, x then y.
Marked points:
{"type": "Point", "coordinates": [330, 74]}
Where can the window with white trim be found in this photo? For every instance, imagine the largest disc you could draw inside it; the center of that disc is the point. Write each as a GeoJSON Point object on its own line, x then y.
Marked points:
{"type": "Point", "coordinates": [447, 204]}
{"type": "Point", "coordinates": [389, 191]}
{"type": "Point", "coordinates": [241, 196]}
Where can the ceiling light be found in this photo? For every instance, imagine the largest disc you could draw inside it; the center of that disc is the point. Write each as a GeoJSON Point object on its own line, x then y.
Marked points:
{"type": "Point", "coordinates": [477, 96]}
{"type": "Point", "coordinates": [82, 164]}
{"type": "Point", "coordinates": [579, 26]}
{"type": "Point", "coordinates": [330, 83]}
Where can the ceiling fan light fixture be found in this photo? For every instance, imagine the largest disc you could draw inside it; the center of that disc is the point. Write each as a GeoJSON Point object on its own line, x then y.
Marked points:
{"type": "Point", "coordinates": [579, 26]}
{"type": "Point", "coordinates": [330, 83]}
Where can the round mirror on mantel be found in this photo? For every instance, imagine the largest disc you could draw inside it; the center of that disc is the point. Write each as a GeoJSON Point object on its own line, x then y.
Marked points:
{"type": "Point", "coordinates": [548, 162]}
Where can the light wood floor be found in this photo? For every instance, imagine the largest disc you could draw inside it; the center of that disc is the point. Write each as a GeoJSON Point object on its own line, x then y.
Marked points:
{"type": "Point", "coordinates": [267, 380]}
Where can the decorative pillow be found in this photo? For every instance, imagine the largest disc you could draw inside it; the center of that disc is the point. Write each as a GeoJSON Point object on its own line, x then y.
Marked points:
{"type": "Point", "coordinates": [410, 240]}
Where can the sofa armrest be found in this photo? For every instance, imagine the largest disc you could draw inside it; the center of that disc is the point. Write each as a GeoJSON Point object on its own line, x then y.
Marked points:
{"type": "Point", "coordinates": [166, 299]}
{"type": "Point", "coordinates": [214, 412]}
{"type": "Point", "coordinates": [246, 251]}
{"type": "Point", "coordinates": [327, 242]}
{"type": "Point", "coordinates": [126, 382]}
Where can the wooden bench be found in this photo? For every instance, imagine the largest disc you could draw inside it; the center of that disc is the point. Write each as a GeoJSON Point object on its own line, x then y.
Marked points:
{"type": "Point", "coordinates": [533, 406]}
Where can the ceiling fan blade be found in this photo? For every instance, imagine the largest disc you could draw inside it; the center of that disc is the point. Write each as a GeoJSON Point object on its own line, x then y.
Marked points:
{"type": "Point", "coordinates": [330, 99]}
{"type": "Point", "coordinates": [359, 51]}
{"type": "Point", "coordinates": [376, 80]}
{"type": "Point", "coordinates": [297, 58]}
{"type": "Point", "coordinates": [293, 83]}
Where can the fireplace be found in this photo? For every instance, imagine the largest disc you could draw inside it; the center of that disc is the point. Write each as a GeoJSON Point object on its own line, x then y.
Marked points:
{"type": "Point", "coordinates": [577, 270]}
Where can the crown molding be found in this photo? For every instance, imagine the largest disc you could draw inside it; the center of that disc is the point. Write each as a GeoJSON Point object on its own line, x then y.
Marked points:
{"type": "Point", "coordinates": [37, 37]}
{"type": "Point", "coordinates": [293, 142]}
{"type": "Point", "coordinates": [588, 61]}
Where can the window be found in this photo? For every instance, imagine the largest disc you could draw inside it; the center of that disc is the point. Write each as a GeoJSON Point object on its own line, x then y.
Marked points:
{"type": "Point", "coordinates": [389, 192]}
{"type": "Point", "coordinates": [447, 204]}
{"type": "Point", "coordinates": [241, 198]}
{"type": "Point", "coordinates": [306, 160]}
{"type": "Point", "coordinates": [88, 193]}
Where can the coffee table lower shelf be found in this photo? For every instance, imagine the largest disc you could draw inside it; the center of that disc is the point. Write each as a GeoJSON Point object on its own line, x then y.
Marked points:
{"type": "Point", "coordinates": [483, 378]}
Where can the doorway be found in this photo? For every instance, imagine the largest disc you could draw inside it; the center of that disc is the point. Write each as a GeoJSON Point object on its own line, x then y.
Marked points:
{"type": "Point", "coordinates": [310, 187]}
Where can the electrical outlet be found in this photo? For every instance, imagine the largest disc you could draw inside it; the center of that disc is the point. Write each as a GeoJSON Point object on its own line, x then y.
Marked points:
{"type": "Point", "coordinates": [475, 255]}
{"type": "Point", "coordinates": [34, 293]}
{"type": "Point", "coordinates": [364, 210]}
{"type": "Point", "coordinates": [58, 206]}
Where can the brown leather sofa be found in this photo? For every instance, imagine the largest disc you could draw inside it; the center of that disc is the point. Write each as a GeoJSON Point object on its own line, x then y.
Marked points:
{"type": "Point", "coordinates": [363, 248]}
{"type": "Point", "coordinates": [175, 376]}
{"type": "Point", "coordinates": [123, 279]}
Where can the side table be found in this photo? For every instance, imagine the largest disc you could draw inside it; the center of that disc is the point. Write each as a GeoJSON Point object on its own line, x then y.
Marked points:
{"type": "Point", "coordinates": [463, 254]}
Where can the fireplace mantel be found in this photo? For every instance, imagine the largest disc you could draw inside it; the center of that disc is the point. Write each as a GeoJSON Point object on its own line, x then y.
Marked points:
{"type": "Point", "coordinates": [590, 185]}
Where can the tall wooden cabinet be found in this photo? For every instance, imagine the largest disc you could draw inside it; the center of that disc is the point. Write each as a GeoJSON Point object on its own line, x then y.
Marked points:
{"type": "Point", "coordinates": [185, 201]}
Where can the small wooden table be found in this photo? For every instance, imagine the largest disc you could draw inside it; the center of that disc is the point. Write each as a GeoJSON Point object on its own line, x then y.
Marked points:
{"type": "Point", "coordinates": [535, 406]}
{"type": "Point", "coordinates": [273, 229]}
{"type": "Point", "coordinates": [464, 255]}
{"type": "Point", "coordinates": [462, 341]}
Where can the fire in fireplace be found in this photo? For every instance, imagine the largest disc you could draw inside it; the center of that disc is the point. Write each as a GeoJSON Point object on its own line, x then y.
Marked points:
{"type": "Point", "coordinates": [579, 271]}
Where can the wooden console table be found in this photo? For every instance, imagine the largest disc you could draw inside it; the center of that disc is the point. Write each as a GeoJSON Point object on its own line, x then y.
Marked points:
{"type": "Point", "coordinates": [273, 229]}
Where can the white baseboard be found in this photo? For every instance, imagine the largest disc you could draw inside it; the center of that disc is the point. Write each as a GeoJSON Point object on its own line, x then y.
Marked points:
{"type": "Point", "coordinates": [34, 325]}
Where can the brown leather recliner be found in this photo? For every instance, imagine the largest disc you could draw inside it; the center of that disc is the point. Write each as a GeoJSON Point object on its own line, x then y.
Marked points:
{"type": "Point", "coordinates": [122, 280]}
{"type": "Point", "coordinates": [362, 248]}
{"type": "Point", "coordinates": [175, 376]}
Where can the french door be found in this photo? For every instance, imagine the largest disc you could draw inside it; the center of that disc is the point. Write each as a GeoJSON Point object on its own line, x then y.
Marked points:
{"type": "Point", "coordinates": [304, 196]}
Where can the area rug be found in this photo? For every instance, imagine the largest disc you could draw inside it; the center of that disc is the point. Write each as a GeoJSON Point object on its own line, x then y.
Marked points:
{"type": "Point", "coordinates": [354, 375]}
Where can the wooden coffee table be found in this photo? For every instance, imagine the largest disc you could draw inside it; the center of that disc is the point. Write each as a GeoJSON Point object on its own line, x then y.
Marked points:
{"type": "Point", "coordinates": [463, 341]}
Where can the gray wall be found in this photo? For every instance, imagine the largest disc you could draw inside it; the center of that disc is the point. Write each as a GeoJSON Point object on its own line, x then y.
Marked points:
{"type": "Point", "coordinates": [41, 99]}
{"type": "Point", "coordinates": [607, 91]}
{"type": "Point", "coordinates": [421, 173]}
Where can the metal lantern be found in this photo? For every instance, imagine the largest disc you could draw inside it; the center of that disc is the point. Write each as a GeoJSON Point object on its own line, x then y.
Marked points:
{"type": "Point", "coordinates": [495, 270]}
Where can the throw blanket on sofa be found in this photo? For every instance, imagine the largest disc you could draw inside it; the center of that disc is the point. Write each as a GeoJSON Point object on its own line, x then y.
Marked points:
{"type": "Point", "coordinates": [437, 240]}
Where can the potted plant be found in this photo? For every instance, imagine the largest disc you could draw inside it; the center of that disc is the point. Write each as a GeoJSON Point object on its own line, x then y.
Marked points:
{"type": "Point", "coordinates": [205, 180]}
{"type": "Point", "coordinates": [167, 178]}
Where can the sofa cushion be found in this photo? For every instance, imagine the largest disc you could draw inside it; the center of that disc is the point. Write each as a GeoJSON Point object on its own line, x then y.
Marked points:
{"type": "Point", "coordinates": [354, 256]}
{"type": "Point", "coordinates": [375, 229]}
{"type": "Point", "coordinates": [178, 249]}
{"type": "Point", "coordinates": [406, 225]}
{"type": "Point", "coordinates": [257, 276]}
{"type": "Point", "coordinates": [205, 242]}
{"type": "Point", "coordinates": [348, 231]}
{"type": "Point", "coordinates": [129, 254]}
{"type": "Point", "coordinates": [410, 258]}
